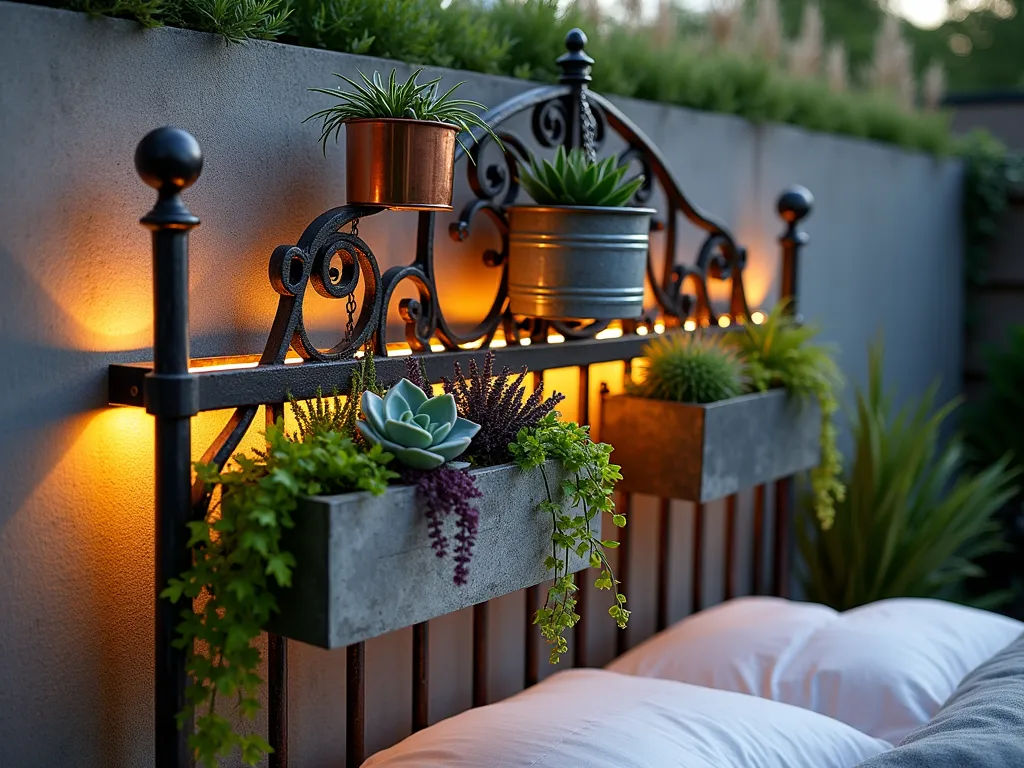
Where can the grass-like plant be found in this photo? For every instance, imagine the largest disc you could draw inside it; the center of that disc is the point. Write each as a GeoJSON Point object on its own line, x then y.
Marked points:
{"type": "Point", "coordinates": [780, 353]}
{"type": "Point", "coordinates": [915, 521]}
{"type": "Point", "coordinates": [691, 368]}
{"type": "Point", "coordinates": [573, 180]}
{"type": "Point", "coordinates": [411, 100]}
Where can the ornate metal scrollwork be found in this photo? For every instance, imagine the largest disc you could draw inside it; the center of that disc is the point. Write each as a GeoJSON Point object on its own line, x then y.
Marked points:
{"type": "Point", "coordinates": [339, 264]}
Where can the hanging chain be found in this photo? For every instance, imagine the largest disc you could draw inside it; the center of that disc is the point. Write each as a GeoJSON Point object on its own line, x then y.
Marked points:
{"type": "Point", "coordinates": [350, 305]}
{"type": "Point", "coordinates": [588, 127]}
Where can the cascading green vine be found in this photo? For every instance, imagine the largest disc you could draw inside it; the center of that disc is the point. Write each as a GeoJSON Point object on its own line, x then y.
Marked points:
{"type": "Point", "coordinates": [588, 490]}
{"type": "Point", "coordinates": [238, 563]}
{"type": "Point", "coordinates": [779, 353]}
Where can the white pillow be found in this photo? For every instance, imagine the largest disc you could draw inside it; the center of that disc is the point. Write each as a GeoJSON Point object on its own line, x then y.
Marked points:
{"type": "Point", "coordinates": [590, 718]}
{"type": "Point", "coordinates": [884, 668]}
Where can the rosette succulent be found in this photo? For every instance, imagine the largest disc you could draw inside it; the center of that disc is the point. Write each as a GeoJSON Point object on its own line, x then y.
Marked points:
{"type": "Point", "coordinates": [422, 432]}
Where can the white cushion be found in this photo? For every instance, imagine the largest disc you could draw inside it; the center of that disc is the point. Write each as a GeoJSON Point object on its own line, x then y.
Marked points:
{"type": "Point", "coordinates": [590, 718]}
{"type": "Point", "coordinates": [884, 668]}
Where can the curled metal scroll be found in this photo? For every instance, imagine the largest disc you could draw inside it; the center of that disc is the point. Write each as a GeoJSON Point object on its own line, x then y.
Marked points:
{"type": "Point", "coordinates": [338, 264]}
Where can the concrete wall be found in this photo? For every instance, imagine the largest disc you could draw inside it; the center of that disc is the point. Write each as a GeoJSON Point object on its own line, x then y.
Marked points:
{"type": "Point", "coordinates": [76, 533]}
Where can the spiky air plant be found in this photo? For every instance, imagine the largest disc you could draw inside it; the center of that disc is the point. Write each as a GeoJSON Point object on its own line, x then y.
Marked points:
{"type": "Point", "coordinates": [691, 368]}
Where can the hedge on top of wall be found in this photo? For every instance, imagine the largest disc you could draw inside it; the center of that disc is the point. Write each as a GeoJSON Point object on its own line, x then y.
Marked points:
{"type": "Point", "coordinates": [518, 38]}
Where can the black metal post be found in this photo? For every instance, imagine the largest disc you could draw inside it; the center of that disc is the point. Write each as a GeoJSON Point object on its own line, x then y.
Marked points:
{"type": "Point", "coordinates": [794, 205]}
{"type": "Point", "coordinates": [575, 65]}
{"type": "Point", "coordinates": [169, 160]}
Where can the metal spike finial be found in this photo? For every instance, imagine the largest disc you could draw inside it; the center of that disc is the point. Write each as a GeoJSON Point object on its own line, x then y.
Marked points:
{"type": "Point", "coordinates": [169, 160]}
{"type": "Point", "coordinates": [575, 63]}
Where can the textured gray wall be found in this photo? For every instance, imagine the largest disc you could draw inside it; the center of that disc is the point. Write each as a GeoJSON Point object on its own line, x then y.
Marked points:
{"type": "Point", "coordinates": [76, 534]}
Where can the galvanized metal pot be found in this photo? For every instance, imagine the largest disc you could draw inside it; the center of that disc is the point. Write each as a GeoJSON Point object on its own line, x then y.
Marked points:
{"type": "Point", "coordinates": [404, 164]}
{"type": "Point", "coordinates": [577, 262]}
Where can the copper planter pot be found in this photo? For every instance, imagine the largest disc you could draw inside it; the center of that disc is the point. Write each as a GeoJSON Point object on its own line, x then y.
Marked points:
{"type": "Point", "coordinates": [404, 164]}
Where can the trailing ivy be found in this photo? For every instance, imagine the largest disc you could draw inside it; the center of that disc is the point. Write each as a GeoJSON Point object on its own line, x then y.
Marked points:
{"type": "Point", "coordinates": [779, 353]}
{"type": "Point", "coordinates": [589, 491]}
{"type": "Point", "coordinates": [238, 562]}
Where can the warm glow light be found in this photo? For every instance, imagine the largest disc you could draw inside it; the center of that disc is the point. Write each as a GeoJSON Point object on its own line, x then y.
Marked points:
{"type": "Point", "coordinates": [757, 317]}
{"type": "Point", "coordinates": [437, 347]}
{"type": "Point", "coordinates": [641, 330]}
{"type": "Point", "coordinates": [400, 352]}
{"type": "Point", "coordinates": [555, 338]}
{"type": "Point", "coordinates": [498, 343]}
{"type": "Point", "coordinates": [690, 325]}
{"type": "Point", "coordinates": [525, 342]}
{"type": "Point", "coordinates": [609, 333]}
{"type": "Point", "coordinates": [724, 321]}
{"type": "Point", "coordinates": [659, 327]}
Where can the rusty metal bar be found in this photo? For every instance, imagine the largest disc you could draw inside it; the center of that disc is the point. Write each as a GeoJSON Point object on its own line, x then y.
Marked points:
{"type": "Point", "coordinates": [783, 500]}
{"type": "Point", "coordinates": [420, 676]}
{"type": "Point", "coordinates": [480, 638]}
{"type": "Point", "coordinates": [580, 640]}
{"type": "Point", "coordinates": [758, 560]}
{"type": "Point", "coordinates": [730, 547]}
{"type": "Point", "coordinates": [531, 668]}
{"type": "Point", "coordinates": [697, 585]}
{"type": "Point", "coordinates": [664, 545]}
{"type": "Point", "coordinates": [355, 706]}
{"type": "Point", "coordinates": [622, 569]}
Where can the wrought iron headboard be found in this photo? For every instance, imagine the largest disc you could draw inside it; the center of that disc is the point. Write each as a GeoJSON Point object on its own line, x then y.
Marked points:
{"type": "Point", "coordinates": [566, 114]}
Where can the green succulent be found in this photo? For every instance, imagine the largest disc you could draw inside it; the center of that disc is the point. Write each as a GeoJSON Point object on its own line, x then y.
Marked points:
{"type": "Point", "coordinates": [410, 100]}
{"type": "Point", "coordinates": [421, 432]}
{"type": "Point", "coordinates": [691, 368]}
{"type": "Point", "coordinates": [574, 180]}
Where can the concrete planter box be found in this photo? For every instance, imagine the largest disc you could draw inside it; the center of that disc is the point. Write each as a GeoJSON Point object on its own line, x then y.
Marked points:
{"type": "Point", "coordinates": [366, 567]}
{"type": "Point", "coordinates": [706, 452]}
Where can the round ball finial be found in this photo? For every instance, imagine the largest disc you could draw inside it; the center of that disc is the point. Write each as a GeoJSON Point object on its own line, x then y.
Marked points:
{"type": "Point", "coordinates": [795, 204]}
{"type": "Point", "coordinates": [169, 159]}
{"type": "Point", "coordinates": [575, 40]}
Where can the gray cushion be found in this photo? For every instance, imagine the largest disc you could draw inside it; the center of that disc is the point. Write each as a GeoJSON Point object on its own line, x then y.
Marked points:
{"type": "Point", "coordinates": [981, 726]}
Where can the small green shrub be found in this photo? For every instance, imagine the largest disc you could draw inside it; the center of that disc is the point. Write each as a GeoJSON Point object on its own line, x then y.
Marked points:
{"type": "Point", "coordinates": [780, 353]}
{"type": "Point", "coordinates": [691, 368]}
{"type": "Point", "coordinates": [573, 180]}
{"type": "Point", "coordinates": [915, 521]}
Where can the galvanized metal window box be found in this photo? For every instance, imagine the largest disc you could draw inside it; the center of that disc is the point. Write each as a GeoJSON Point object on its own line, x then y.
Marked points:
{"type": "Point", "coordinates": [706, 452]}
{"type": "Point", "coordinates": [365, 565]}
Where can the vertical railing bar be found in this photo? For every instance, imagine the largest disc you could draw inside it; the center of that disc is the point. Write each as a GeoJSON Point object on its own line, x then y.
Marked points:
{"type": "Point", "coordinates": [757, 584]}
{"type": "Point", "coordinates": [355, 705]}
{"type": "Point", "coordinates": [664, 544]}
{"type": "Point", "coordinates": [169, 160]}
{"type": "Point", "coordinates": [531, 666]}
{"type": "Point", "coordinates": [783, 501]}
{"type": "Point", "coordinates": [697, 584]}
{"type": "Point", "coordinates": [480, 667]}
{"type": "Point", "coordinates": [277, 699]}
{"type": "Point", "coordinates": [420, 676]}
{"type": "Point", "coordinates": [277, 664]}
{"type": "Point", "coordinates": [730, 547]}
{"type": "Point", "coordinates": [622, 567]}
{"type": "Point", "coordinates": [580, 639]}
